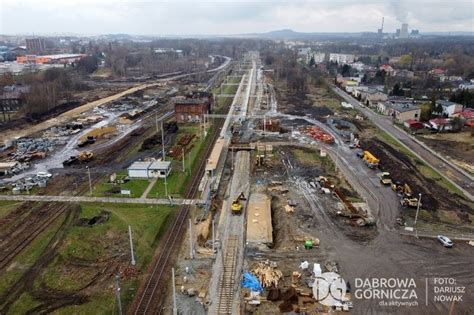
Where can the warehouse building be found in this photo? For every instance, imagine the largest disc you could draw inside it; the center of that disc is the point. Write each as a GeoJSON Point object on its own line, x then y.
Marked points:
{"type": "Point", "coordinates": [147, 170]}
{"type": "Point", "coordinates": [193, 106]}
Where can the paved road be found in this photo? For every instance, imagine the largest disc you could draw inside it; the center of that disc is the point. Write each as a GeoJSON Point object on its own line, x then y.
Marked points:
{"type": "Point", "coordinates": [99, 199]}
{"type": "Point", "coordinates": [457, 177]}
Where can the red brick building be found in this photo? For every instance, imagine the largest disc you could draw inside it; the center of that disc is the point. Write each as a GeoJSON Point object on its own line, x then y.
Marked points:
{"type": "Point", "coordinates": [193, 106]}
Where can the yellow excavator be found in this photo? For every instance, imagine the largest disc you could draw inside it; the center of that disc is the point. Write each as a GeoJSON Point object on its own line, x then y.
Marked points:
{"type": "Point", "coordinates": [236, 206]}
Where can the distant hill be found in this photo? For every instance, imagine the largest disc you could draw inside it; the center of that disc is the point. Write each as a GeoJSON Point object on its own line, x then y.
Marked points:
{"type": "Point", "coordinates": [289, 34]}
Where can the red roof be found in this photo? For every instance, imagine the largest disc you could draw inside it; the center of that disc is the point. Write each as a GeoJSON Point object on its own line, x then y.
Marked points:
{"type": "Point", "coordinates": [437, 71]}
{"type": "Point", "coordinates": [411, 121]}
{"type": "Point", "coordinates": [467, 114]}
{"type": "Point", "coordinates": [469, 123]}
{"type": "Point", "coordinates": [440, 121]}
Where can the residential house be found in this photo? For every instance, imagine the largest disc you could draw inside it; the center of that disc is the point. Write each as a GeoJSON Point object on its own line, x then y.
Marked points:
{"type": "Point", "coordinates": [193, 106]}
{"type": "Point", "coordinates": [359, 66]}
{"type": "Point", "coordinates": [441, 124]}
{"type": "Point", "coordinates": [341, 58]}
{"type": "Point", "coordinates": [466, 86]}
{"type": "Point", "coordinates": [413, 124]}
{"type": "Point", "coordinates": [319, 57]}
{"type": "Point", "coordinates": [372, 96]}
{"type": "Point", "coordinates": [387, 68]}
{"type": "Point", "coordinates": [400, 112]}
{"type": "Point", "coordinates": [437, 72]}
{"type": "Point", "coordinates": [467, 116]}
{"type": "Point", "coordinates": [449, 108]}
{"type": "Point", "coordinates": [403, 73]}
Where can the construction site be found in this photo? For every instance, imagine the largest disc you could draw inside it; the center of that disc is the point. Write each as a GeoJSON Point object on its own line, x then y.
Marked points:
{"type": "Point", "coordinates": [238, 210]}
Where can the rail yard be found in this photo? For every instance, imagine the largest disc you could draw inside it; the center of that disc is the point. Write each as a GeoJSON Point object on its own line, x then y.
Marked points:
{"type": "Point", "coordinates": [125, 205]}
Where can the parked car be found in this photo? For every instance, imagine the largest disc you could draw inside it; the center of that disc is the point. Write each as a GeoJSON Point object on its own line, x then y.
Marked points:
{"type": "Point", "coordinates": [445, 241]}
{"type": "Point", "coordinates": [44, 174]}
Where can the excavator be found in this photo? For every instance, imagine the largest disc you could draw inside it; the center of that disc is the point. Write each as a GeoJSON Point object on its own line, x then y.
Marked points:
{"type": "Point", "coordinates": [236, 206]}
{"type": "Point", "coordinates": [404, 189]}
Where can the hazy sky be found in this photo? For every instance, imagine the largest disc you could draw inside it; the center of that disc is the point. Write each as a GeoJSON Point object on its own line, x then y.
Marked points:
{"type": "Point", "coordinates": [220, 17]}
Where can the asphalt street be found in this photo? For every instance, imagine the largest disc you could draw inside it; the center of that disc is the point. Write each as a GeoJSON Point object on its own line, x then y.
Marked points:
{"type": "Point", "coordinates": [456, 176]}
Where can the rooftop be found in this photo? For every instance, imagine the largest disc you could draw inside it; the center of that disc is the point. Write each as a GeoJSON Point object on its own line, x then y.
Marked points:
{"type": "Point", "coordinates": [139, 165]}
{"type": "Point", "coordinates": [446, 103]}
{"type": "Point", "coordinates": [160, 165]}
{"type": "Point", "coordinates": [402, 107]}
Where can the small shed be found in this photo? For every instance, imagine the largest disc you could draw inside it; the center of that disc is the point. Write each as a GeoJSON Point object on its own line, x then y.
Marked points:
{"type": "Point", "coordinates": [160, 169]}
{"type": "Point", "coordinates": [138, 170]}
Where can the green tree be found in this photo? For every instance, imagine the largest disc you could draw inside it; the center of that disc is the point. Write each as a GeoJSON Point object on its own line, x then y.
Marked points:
{"type": "Point", "coordinates": [312, 62]}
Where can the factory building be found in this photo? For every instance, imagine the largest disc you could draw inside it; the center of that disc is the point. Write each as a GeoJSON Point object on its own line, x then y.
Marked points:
{"type": "Point", "coordinates": [193, 106]}
{"type": "Point", "coordinates": [50, 59]}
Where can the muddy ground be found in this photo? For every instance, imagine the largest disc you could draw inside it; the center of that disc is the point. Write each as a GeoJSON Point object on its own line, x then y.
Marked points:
{"type": "Point", "coordinates": [402, 169]}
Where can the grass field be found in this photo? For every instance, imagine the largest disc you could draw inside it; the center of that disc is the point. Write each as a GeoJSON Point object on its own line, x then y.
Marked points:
{"type": "Point", "coordinates": [177, 181]}
{"type": "Point", "coordinates": [7, 206]}
{"type": "Point", "coordinates": [28, 256]}
{"type": "Point", "coordinates": [103, 247]}
{"type": "Point", "coordinates": [136, 187]}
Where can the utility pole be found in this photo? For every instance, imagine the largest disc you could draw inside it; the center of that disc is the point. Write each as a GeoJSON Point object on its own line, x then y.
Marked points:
{"type": "Point", "coordinates": [232, 162]}
{"type": "Point", "coordinates": [119, 301]}
{"type": "Point", "coordinates": [175, 309]}
{"type": "Point", "coordinates": [156, 121]}
{"type": "Point", "coordinates": [90, 182]}
{"type": "Point", "coordinates": [213, 237]}
{"type": "Point", "coordinates": [163, 141]}
{"type": "Point", "coordinates": [166, 186]}
{"type": "Point", "coordinates": [417, 209]}
{"type": "Point", "coordinates": [131, 245]}
{"type": "Point", "coordinates": [184, 168]}
{"type": "Point", "coordinates": [191, 249]}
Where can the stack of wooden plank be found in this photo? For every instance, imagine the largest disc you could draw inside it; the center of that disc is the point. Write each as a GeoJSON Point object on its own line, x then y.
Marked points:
{"type": "Point", "coordinates": [267, 274]}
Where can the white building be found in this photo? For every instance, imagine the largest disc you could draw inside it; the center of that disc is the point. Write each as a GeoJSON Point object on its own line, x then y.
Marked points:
{"type": "Point", "coordinates": [341, 58]}
{"type": "Point", "coordinates": [146, 170]}
{"type": "Point", "coordinates": [319, 57]}
{"type": "Point", "coordinates": [449, 108]}
{"type": "Point", "coordinates": [160, 169]}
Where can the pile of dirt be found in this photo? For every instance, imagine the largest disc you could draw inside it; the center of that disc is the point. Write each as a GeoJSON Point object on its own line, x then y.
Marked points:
{"type": "Point", "coordinates": [401, 168]}
{"type": "Point", "coordinates": [290, 298]}
{"type": "Point", "coordinates": [101, 218]}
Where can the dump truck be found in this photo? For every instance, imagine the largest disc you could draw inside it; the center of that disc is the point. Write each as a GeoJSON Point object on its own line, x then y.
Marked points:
{"type": "Point", "coordinates": [370, 160]}
{"type": "Point", "coordinates": [385, 178]}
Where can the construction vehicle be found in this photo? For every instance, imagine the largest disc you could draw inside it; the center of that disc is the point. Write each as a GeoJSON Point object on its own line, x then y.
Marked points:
{"type": "Point", "coordinates": [87, 141]}
{"type": "Point", "coordinates": [404, 190]}
{"type": "Point", "coordinates": [236, 206]}
{"type": "Point", "coordinates": [71, 160]}
{"type": "Point", "coordinates": [409, 202]}
{"type": "Point", "coordinates": [385, 178]}
{"type": "Point", "coordinates": [85, 156]}
{"type": "Point", "coordinates": [370, 160]}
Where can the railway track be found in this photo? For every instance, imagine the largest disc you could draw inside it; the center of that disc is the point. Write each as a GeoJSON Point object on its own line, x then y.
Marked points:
{"type": "Point", "coordinates": [227, 278]}
{"type": "Point", "coordinates": [13, 246]}
{"type": "Point", "coordinates": [147, 298]}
